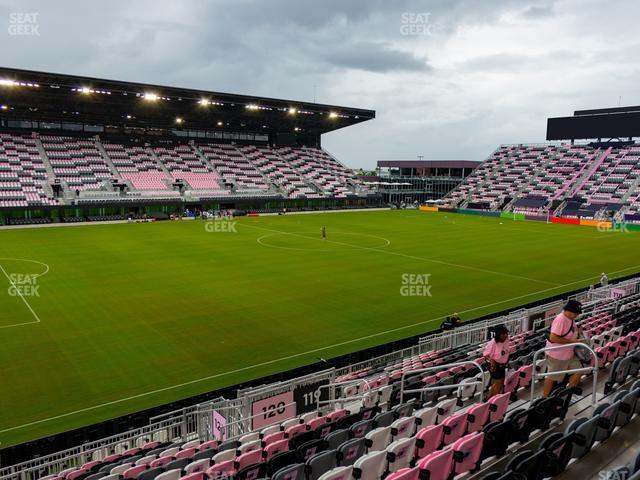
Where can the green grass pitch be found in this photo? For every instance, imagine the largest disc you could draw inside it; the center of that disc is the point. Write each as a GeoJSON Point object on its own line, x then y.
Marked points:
{"type": "Point", "coordinates": [124, 317]}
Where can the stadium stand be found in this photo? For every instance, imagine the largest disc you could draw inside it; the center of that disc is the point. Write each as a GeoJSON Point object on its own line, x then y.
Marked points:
{"type": "Point", "coordinates": [23, 174]}
{"type": "Point", "coordinates": [86, 167]}
{"type": "Point", "coordinates": [574, 181]}
{"type": "Point", "coordinates": [412, 415]}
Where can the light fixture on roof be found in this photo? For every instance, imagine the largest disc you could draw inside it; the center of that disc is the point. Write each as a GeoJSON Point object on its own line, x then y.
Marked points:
{"type": "Point", "coordinates": [252, 106]}
{"type": "Point", "coordinates": [150, 97]}
{"type": "Point", "coordinates": [179, 120]}
{"type": "Point", "coordinates": [6, 82]}
{"type": "Point", "coordinates": [4, 107]}
{"type": "Point", "coordinates": [204, 102]}
{"type": "Point", "coordinates": [333, 115]}
{"type": "Point", "coordinates": [292, 111]}
{"type": "Point", "coordinates": [296, 129]}
{"type": "Point", "coordinates": [85, 90]}
{"type": "Point", "coordinates": [219, 124]}
{"type": "Point", "coordinates": [128, 117]}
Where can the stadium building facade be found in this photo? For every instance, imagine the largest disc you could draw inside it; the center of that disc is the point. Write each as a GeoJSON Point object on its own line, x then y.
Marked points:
{"type": "Point", "coordinates": [411, 181]}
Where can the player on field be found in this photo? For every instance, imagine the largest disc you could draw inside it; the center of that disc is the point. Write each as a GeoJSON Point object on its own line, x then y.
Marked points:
{"type": "Point", "coordinates": [324, 232]}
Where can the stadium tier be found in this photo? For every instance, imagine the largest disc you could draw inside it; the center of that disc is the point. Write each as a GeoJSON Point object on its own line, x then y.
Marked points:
{"type": "Point", "coordinates": [88, 167]}
{"type": "Point", "coordinates": [572, 180]}
{"type": "Point", "coordinates": [419, 413]}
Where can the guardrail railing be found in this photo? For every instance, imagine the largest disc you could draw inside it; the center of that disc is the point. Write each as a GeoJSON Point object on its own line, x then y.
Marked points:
{"type": "Point", "coordinates": [594, 368]}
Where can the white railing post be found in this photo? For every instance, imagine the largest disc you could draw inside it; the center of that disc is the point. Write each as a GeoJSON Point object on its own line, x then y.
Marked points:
{"type": "Point", "coordinates": [593, 369]}
{"type": "Point", "coordinates": [443, 387]}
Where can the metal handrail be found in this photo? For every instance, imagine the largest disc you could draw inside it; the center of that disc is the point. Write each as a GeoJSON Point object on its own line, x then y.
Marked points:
{"type": "Point", "coordinates": [593, 369]}
{"type": "Point", "coordinates": [243, 421]}
{"type": "Point", "coordinates": [443, 387]}
{"type": "Point", "coordinates": [356, 381]}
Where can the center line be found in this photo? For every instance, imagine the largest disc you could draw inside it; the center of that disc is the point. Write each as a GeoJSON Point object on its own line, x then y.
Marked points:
{"type": "Point", "coordinates": [413, 257]}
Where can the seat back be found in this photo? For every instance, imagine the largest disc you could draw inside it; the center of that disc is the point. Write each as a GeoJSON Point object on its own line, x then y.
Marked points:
{"type": "Point", "coordinates": [338, 473]}
{"type": "Point", "coordinates": [337, 438]}
{"type": "Point", "coordinates": [170, 475]}
{"type": "Point", "coordinates": [249, 458]}
{"type": "Point", "coordinates": [532, 465]}
{"type": "Point", "coordinates": [584, 431]}
{"type": "Point", "coordinates": [437, 465]}
{"type": "Point", "coordinates": [290, 472]}
{"type": "Point", "coordinates": [350, 451]}
{"type": "Point", "coordinates": [467, 453]}
{"type": "Point", "coordinates": [275, 448]}
{"type": "Point", "coordinates": [426, 416]}
{"type": "Point", "coordinates": [403, 427]}
{"type": "Point", "coordinates": [428, 440]}
{"type": "Point", "coordinates": [454, 427]}
{"type": "Point", "coordinates": [405, 474]}
{"type": "Point", "coordinates": [309, 449]}
{"type": "Point", "coordinates": [477, 417]}
{"type": "Point", "coordinates": [370, 466]}
{"type": "Point", "coordinates": [498, 405]}
{"type": "Point", "coordinates": [384, 419]}
{"type": "Point", "coordinates": [378, 439]}
{"type": "Point", "coordinates": [445, 408]}
{"type": "Point", "coordinates": [150, 474]}
{"type": "Point", "coordinates": [361, 428]}
{"type": "Point", "coordinates": [197, 466]}
{"type": "Point", "coordinates": [400, 453]}
{"type": "Point", "coordinates": [251, 472]}
{"type": "Point", "coordinates": [319, 464]}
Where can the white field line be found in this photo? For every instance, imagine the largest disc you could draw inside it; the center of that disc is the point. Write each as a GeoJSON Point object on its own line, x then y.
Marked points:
{"type": "Point", "coordinates": [277, 360]}
{"type": "Point", "coordinates": [35, 315]}
{"type": "Point", "coordinates": [412, 257]}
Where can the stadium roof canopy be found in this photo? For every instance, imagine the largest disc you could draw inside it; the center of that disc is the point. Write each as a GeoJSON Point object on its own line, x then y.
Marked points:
{"type": "Point", "coordinates": [32, 95]}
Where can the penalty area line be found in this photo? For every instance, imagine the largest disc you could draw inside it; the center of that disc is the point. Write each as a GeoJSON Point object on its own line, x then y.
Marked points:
{"type": "Point", "coordinates": [17, 290]}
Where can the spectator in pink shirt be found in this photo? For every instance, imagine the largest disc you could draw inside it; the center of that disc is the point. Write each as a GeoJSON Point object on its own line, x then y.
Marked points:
{"type": "Point", "coordinates": [497, 354]}
{"type": "Point", "coordinates": [564, 332]}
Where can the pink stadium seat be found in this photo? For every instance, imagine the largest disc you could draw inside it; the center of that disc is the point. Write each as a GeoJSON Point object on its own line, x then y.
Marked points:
{"type": "Point", "coordinates": [498, 406]}
{"type": "Point", "coordinates": [194, 476]}
{"type": "Point", "coordinates": [337, 414]}
{"type": "Point", "coordinates": [467, 452]}
{"type": "Point", "coordinates": [211, 444]}
{"type": "Point", "coordinates": [275, 448]}
{"type": "Point", "coordinates": [294, 430]}
{"type": "Point", "coordinates": [186, 453]}
{"type": "Point", "coordinates": [221, 469]}
{"type": "Point", "coordinates": [273, 437]}
{"type": "Point", "coordinates": [428, 440]}
{"type": "Point", "coordinates": [405, 474]}
{"type": "Point", "coordinates": [454, 427]}
{"type": "Point", "coordinates": [160, 462]}
{"type": "Point", "coordinates": [249, 458]}
{"type": "Point", "coordinates": [133, 472]}
{"type": "Point", "coordinates": [437, 466]}
{"type": "Point", "coordinates": [477, 417]}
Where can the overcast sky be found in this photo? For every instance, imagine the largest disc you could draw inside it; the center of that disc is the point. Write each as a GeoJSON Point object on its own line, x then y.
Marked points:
{"type": "Point", "coordinates": [449, 79]}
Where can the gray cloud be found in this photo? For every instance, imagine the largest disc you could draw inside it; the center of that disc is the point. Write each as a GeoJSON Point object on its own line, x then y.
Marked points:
{"type": "Point", "coordinates": [487, 72]}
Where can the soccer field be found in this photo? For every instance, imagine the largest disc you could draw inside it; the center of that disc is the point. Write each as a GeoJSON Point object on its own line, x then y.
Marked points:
{"type": "Point", "coordinates": [98, 321]}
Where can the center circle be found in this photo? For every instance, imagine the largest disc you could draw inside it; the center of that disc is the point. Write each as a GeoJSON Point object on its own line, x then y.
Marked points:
{"type": "Point", "coordinates": [314, 242]}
